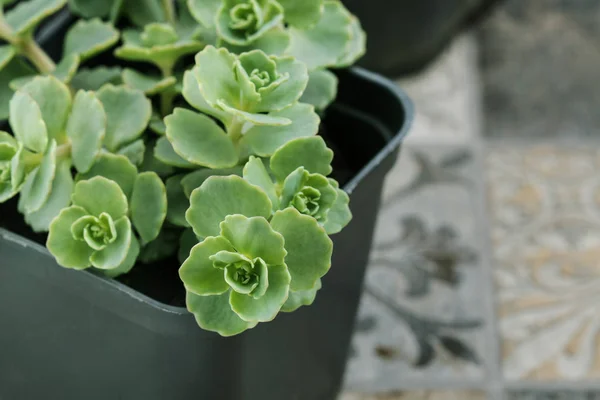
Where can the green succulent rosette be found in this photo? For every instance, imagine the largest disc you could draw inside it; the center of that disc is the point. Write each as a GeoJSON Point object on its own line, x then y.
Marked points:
{"type": "Point", "coordinates": [158, 43]}
{"type": "Point", "coordinates": [251, 259]}
{"type": "Point", "coordinates": [95, 230]}
{"type": "Point", "coordinates": [254, 96]}
{"type": "Point", "coordinates": [297, 178]}
{"type": "Point", "coordinates": [13, 166]}
{"type": "Point", "coordinates": [250, 85]}
{"type": "Point", "coordinates": [240, 22]}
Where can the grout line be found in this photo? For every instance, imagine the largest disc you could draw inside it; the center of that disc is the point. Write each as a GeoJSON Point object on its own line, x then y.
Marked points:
{"type": "Point", "coordinates": [494, 363]}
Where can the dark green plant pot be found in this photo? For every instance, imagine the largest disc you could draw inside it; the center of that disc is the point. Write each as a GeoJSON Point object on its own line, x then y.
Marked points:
{"type": "Point", "coordinates": [74, 335]}
{"type": "Point", "coordinates": [404, 35]}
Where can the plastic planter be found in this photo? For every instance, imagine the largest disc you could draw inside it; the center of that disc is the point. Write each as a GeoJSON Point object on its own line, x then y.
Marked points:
{"type": "Point", "coordinates": [403, 36]}
{"type": "Point", "coordinates": [76, 335]}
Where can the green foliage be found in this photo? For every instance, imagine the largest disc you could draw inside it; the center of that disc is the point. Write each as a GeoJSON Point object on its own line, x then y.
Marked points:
{"type": "Point", "coordinates": [211, 155]}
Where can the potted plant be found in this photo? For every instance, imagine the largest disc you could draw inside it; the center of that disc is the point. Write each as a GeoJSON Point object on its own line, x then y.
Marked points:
{"type": "Point", "coordinates": [175, 160]}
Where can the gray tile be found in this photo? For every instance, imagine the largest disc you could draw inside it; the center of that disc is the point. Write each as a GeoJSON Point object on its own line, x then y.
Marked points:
{"type": "Point", "coordinates": [422, 316]}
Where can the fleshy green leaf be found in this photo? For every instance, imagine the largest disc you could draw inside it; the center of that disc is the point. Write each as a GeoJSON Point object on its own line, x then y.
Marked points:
{"type": "Point", "coordinates": [177, 203]}
{"type": "Point", "coordinates": [164, 152]}
{"type": "Point", "coordinates": [95, 78]}
{"type": "Point", "coordinates": [205, 11]}
{"type": "Point", "coordinates": [69, 253]}
{"type": "Point", "coordinates": [195, 179]}
{"type": "Point", "coordinates": [100, 195]}
{"type": "Point", "coordinates": [265, 140]}
{"type": "Point", "coordinates": [128, 112]}
{"type": "Point", "coordinates": [285, 94]}
{"type": "Point", "coordinates": [157, 125]}
{"type": "Point", "coordinates": [128, 263]}
{"type": "Point", "coordinates": [321, 90]}
{"type": "Point", "coordinates": [339, 215]}
{"type": "Point", "coordinates": [274, 42]}
{"type": "Point", "coordinates": [326, 42]}
{"type": "Point", "coordinates": [158, 34]}
{"type": "Point", "coordinates": [7, 52]}
{"type": "Point", "coordinates": [148, 205]}
{"type": "Point", "coordinates": [193, 95]}
{"type": "Point", "coordinates": [309, 152]}
{"type": "Point", "coordinates": [219, 197]}
{"type": "Point", "coordinates": [38, 184]}
{"type": "Point", "coordinates": [308, 246]}
{"type": "Point", "coordinates": [213, 313]}
{"type": "Point", "coordinates": [18, 170]}
{"type": "Point", "coordinates": [117, 168]}
{"type": "Point", "coordinates": [357, 46]}
{"type": "Point", "coordinates": [90, 37]}
{"type": "Point", "coordinates": [27, 123]}
{"type": "Point", "coordinates": [298, 299]}
{"type": "Point", "coordinates": [59, 198]}
{"type": "Point", "coordinates": [266, 307]}
{"type": "Point", "coordinates": [144, 12]}
{"type": "Point", "coordinates": [115, 253]}
{"type": "Point", "coordinates": [256, 173]}
{"type": "Point", "coordinates": [27, 14]}
{"type": "Point", "coordinates": [67, 68]}
{"type": "Point", "coordinates": [134, 152]}
{"type": "Point", "coordinates": [86, 128]}
{"type": "Point", "coordinates": [215, 75]}
{"type": "Point", "coordinates": [254, 237]}
{"type": "Point", "coordinates": [54, 100]}
{"type": "Point", "coordinates": [198, 273]}
{"type": "Point", "coordinates": [302, 14]}
{"type": "Point", "coordinates": [199, 140]}
{"type": "Point", "coordinates": [15, 69]}
{"type": "Point", "coordinates": [148, 84]}
{"type": "Point", "coordinates": [256, 119]}
{"type": "Point", "coordinates": [91, 8]}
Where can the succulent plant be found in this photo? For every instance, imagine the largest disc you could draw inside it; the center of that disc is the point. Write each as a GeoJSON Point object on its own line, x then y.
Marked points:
{"type": "Point", "coordinates": [200, 142]}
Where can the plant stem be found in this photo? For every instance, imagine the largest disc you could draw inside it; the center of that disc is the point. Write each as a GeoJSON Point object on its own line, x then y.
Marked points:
{"type": "Point", "coordinates": [166, 102]}
{"type": "Point", "coordinates": [169, 11]}
{"type": "Point", "coordinates": [28, 48]}
{"type": "Point", "coordinates": [64, 150]}
{"type": "Point", "coordinates": [235, 129]}
{"type": "Point", "coordinates": [166, 97]}
{"type": "Point", "coordinates": [38, 57]}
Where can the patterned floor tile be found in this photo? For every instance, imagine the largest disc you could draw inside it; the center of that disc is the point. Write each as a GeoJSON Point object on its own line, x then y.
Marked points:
{"type": "Point", "coordinates": [446, 96]}
{"type": "Point", "coordinates": [421, 316]}
{"type": "Point", "coordinates": [418, 395]}
{"type": "Point", "coordinates": [545, 204]}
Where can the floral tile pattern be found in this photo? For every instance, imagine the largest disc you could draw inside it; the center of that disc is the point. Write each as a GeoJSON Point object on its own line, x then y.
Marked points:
{"type": "Point", "coordinates": [418, 395]}
{"type": "Point", "coordinates": [421, 317]}
{"type": "Point", "coordinates": [545, 203]}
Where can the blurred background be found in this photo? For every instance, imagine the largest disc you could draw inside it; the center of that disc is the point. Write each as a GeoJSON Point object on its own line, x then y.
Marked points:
{"type": "Point", "coordinates": [485, 275]}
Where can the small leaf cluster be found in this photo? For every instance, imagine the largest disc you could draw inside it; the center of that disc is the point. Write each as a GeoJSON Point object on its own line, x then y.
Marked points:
{"type": "Point", "coordinates": [197, 141]}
